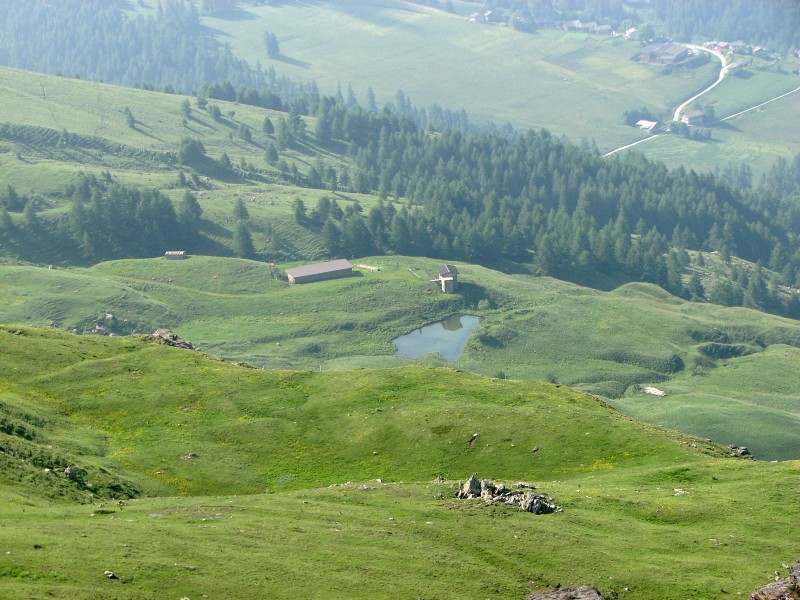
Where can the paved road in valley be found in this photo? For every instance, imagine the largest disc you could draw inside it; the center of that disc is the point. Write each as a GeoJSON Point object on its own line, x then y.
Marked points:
{"type": "Point", "coordinates": [677, 116]}
{"type": "Point", "coordinates": [722, 72]}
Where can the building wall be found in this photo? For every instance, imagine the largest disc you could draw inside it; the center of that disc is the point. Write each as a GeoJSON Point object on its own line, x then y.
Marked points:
{"type": "Point", "coordinates": [322, 276]}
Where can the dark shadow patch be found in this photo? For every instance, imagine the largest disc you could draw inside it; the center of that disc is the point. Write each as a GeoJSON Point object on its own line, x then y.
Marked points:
{"type": "Point", "coordinates": [295, 62]}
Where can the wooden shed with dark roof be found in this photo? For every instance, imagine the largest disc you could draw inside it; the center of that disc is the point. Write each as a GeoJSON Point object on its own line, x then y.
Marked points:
{"type": "Point", "coordinates": [448, 278]}
{"type": "Point", "coordinates": [334, 269]}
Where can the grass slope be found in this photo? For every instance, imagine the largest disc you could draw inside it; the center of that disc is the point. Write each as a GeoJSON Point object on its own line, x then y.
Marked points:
{"type": "Point", "coordinates": [608, 343]}
{"type": "Point", "coordinates": [623, 525]}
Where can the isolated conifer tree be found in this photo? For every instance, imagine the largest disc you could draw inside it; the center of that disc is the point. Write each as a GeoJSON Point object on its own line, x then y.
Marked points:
{"type": "Point", "coordinates": [129, 118]}
{"type": "Point", "coordinates": [189, 213]}
{"type": "Point", "coordinates": [300, 216]}
{"type": "Point", "coordinates": [240, 211]}
{"type": "Point", "coordinates": [271, 45]}
{"type": "Point", "coordinates": [242, 241]}
{"type": "Point", "coordinates": [272, 154]}
{"type": "Point", "coordinates": [6, 224]}
{"type": "Point", "coordinates": [30, 217]}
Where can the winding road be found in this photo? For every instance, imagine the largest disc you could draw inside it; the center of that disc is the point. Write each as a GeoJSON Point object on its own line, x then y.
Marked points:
{"type": "Point", "coordinates": [677, 116]}
{"type": "Point", "coordinates": [722, 72]}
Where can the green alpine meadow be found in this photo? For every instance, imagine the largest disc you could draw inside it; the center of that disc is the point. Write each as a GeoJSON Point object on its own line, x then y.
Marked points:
{"type": "Point", "coordinates": [399, 299]}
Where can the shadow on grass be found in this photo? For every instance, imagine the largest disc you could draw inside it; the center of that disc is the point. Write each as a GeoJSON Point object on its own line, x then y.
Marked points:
{"type": "Point", "coordinates": [293, 61]}
{"type": "Point", "coordinates": [726, 125]}
{"type": "Point", "coordinates": [215, 229]}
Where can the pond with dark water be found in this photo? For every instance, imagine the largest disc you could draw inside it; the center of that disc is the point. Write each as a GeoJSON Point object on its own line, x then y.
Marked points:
{"type": "Point", "coordinates": [447, 338]}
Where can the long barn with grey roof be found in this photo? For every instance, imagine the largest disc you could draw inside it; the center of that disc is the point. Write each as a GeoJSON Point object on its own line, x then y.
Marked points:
{"type": "Point", "coordinates": [333, 269]}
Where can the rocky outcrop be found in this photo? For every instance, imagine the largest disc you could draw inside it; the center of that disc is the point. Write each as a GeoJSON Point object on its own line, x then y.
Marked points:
{"type": "Point", "coordinates": [574, 592]}
{"type": "Point", "coordinates": [521, 497]}
{"type": "Point", "coordinates": [169, 338]}
{"type": "Point", "coordinates": [783, 589]}
{"type": "Point", "coordinates": [739, 451]}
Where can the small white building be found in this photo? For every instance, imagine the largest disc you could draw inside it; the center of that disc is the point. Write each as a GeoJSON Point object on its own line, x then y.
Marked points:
{"type": "Point", "coordinates": [648, 126]}
{"type": "Point", "coordinates": [175, 254]}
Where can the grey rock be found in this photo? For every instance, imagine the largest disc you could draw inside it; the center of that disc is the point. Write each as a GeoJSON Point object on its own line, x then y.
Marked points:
{"type": "Point", "coordinates": [169, 338]}
{"type": "Point", "coordinates": [784, 589]}
{"type": "Point", "coordinates": [780, 590]}
{"type": "Point", "coordinates": [470, 489]}
{"type": "Point", "coordinates": [491, 492]}
{"type": "Point", "coordinates": [794, 574]}
{"type": "Point", "coordinates": [740, 451]}
{"type": "Point", "coordinates": [575, 592]}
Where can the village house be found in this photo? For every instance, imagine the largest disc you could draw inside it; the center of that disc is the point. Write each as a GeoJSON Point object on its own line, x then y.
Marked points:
{"type": "Point", "coordinates": [739, 46]}
{"type": "Point", "coordinates": [692, 117]}
{"type": "Point", "coordinates": [334, 269]}
{"type": "Point", "coordinates": [663, 53]}
{"type": "Point", "coordinates": [648, 126]}
{"type": "Point", "coordinates": [175, 254]}
{"type": "Point", "coordinates": [733, 68]}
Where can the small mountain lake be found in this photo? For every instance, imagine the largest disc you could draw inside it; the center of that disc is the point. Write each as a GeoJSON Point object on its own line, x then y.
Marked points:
{"type": "Point", "coordinates": [447, 337]}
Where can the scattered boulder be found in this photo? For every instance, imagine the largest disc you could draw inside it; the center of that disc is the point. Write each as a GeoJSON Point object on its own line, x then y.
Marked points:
{"type": "Point", "coordinates": [490, 492]}
{"type": "Point", "coordinates": [169, 338]}
{"type": "Point", "coordinates": [783, 589]}
{"type": "Point", "coordinates": [740, 451]}
{"type": "Point", "coordinates": [470, 489]}
{"type": "Point", "coordinates": [574, 592]}
{"type": "Point", "coordinates": [70, 473]}
{"type": "Point", "coordinates": [110, 574]}
{"type": "Point", "coordinates": [780, 590]}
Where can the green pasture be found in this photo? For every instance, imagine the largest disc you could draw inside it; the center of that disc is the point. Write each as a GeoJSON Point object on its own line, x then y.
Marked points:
{"type": "Point", "coordinates": [242, 478]}
{"type": "Point", "coordinates": [534, 328]}
{"type": "Point", "coordinates": [145, 153]}
{"type": "Point", "coordinates": [572, 84]}
{"type": "Point", "coordinates": [750, 87]}
{"type": "Point", "coordinates": [757, 138]}
{"type": "Point", "coordinates": [627, 533]}
{"type": "Point", "coordinates": [743, 401]}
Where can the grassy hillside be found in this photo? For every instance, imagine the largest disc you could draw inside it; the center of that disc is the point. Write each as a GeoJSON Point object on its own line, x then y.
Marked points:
{"type": "Point", "coordinates": [45, 106]}
{"type": "Point", "coordinates": [609, 343]}
{"type": "Point", "coordinates": [571, 83]}
{"type": "Point", "coordinates": [166, 421]}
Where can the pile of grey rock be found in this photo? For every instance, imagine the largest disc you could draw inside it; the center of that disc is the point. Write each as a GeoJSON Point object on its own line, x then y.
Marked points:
{"type": "Point", "coordinates": [740, 451]}
{"type": "Point", "coordinates": [519, 494]}
{"type": "Point", "coordinates": [169, 338]}
{"type": "Point", "coordinates": [783, 589]}
{"type": "Point", "coordinates": [574, 592]}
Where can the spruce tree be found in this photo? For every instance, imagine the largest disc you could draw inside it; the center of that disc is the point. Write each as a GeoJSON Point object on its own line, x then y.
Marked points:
{"type": "Point", "coordinates": [242, 241]}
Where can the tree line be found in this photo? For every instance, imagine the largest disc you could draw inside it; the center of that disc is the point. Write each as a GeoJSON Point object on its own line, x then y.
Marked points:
{"type": "Point", "coordinates": [106, 220]}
